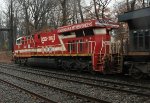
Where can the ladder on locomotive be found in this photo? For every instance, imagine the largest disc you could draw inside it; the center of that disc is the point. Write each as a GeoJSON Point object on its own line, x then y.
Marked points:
{"type": "Point", "coordinates": [103, 52]}
{"type": "Point", "coordinates": [114, 54]}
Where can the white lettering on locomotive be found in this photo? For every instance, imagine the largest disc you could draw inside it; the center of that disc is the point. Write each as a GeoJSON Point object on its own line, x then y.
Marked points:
{"type": "Point", "coordinates": [52, 38]}
{"type": "Point", "coordinates": [74, 27]}
{"type": "Point", "coordinates": [43, 39]}
{"type": "Point", "coordinates": [49, 38]}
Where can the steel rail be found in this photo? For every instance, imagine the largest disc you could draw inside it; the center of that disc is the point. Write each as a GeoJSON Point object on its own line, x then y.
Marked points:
{"type": "Point", "coordinates": [32, 93]}
{"type": "Point", "coordinates": [96, 85]}
{"type": "Point", "coordinates": [62, 90]}
{"type": "Point", "coordinates": [86, 78]}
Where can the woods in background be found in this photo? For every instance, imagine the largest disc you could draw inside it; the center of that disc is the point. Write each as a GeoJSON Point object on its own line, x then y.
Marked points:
{"type": "Point", "coordinates": [30, 16]}
{"type": "Point", "coordinates": [33, 15]}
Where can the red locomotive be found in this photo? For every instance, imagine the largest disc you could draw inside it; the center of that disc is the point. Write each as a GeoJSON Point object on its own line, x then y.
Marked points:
{"type": "Point", "coordinates": [83, 46]}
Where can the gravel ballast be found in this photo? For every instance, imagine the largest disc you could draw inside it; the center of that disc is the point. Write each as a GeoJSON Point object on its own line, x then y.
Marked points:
{"type": "Point", "coordinates": [104, 94]}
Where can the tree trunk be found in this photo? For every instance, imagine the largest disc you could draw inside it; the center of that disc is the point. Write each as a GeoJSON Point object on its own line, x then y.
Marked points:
{"type": "Point", "coordinates": [80, 10]}
{"type": "Point", "coordinates": [103, 10]}
{"type": "Point", "coordinates": [143, 3]}
{"type": "Point", "coordinates": [96, 13]}
{"type": "Point", "coordinates": [128, 8]}
{"type": "Point", "coordinates": [64, 10]}
{"type": "Point", "coordinates": [133, 5]}
{"type": "Point", "coordinates": [74, 11]}
{"type": "Point", "coordinates": [26, 18]}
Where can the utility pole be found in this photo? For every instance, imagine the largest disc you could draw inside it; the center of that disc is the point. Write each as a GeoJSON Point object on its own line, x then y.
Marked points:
{"type": "Point", "coordinates": [11, 27]}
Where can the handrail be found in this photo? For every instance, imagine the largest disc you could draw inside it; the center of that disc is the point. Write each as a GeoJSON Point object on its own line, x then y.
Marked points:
{"type": "Point", "coordinates": [90, 48]}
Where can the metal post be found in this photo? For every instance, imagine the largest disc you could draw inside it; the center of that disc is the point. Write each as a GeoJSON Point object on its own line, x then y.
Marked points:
{"type": "Point", "coordinates": [11, 27]}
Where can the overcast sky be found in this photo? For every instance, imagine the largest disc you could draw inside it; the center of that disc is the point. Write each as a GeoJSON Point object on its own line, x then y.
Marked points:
{"type": "Point", "coordinates": [2, 4]}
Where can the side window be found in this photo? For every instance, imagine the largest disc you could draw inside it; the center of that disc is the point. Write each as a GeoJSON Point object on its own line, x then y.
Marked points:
{"type": "Point", "coordinates": [141, 40]}
{"type": "Point", "coordinates": [88, 32]}
{"type": "Point", "coordinates": [79, 33]}
{"type": "Point", "coordinates": [39, 36]}
{"type": "Point", "coordinates": [147, 39]}
{"type": "Point", "coordinates": [66, 33]}
{"type": "Point", "coordinates": [18, 41]}
{"type": "Point", "coordinates": [135, 39]}
{"type": "Point", "coordinates": [28, 39]}
{"type": "Point", "coordinates": [81, 45]}
{"type": "Point", "coordinates": [32, 36]}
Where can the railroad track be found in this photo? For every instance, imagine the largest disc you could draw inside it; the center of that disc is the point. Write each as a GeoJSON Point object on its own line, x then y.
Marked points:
{"type": "Point", "coordinates": [127, 88]}
{"type": "Point", "coordinates": [46, 100]}
{"type": "Point", "coordinates": [82, 97]}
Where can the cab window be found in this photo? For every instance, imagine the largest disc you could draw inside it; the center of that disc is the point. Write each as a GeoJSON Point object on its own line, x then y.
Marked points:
{"type": "Point", "coordinates": [79, 33]}
{"type": "Point", "coordinates": [88, 32]}
{"type": "Point", "coordinates": [18, 41]}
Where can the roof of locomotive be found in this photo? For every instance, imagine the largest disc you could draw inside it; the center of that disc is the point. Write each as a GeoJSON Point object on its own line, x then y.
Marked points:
{"type": "Point", "coordinates": [91, 23]}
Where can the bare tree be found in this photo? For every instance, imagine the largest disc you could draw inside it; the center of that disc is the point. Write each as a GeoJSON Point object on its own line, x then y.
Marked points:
{"type": "Point", "coordinates": [128, 7]}
{"type": "Point", "coordinates": [104, 4]}
{"type": "Point", "coordinates": [80, 10]}
{"type": "Point", "coordinates": [74, 12]}
{"type": "Point", "coordinates": [95, 8]}
{"type": "Point", "coordinates": [100, 7]}
{"type": "Point", "coordinates": [143, 3]}
{"type": "Point", "coordinates": [64, 11]}
{"type": "Point", "coordinates": [133, 4]}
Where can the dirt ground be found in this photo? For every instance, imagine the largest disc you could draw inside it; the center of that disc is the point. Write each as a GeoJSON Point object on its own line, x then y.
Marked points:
{"type": "Point", "coordinates": [5, 57]}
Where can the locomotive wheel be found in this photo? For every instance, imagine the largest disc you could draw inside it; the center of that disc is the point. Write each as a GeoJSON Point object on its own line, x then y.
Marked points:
{"type": "Point", "coordinates": [77, 66]}
{"type": "Point", "coordinates": [91, 69]}
{"type": "Point", "coordinates": [19, 61]}
{"type": "Point", "coordinates": [92, 72]}
{"type": "Point", "coordinates": [64, 65]}
{"type": "Point", "coordinates": [79, 70]}
{"type": "Point", "coordinates": [136, 73]}
{"type": "Point", "coordinates": [25, 62]}
{"type": "Point", "coordinates": [16, 61]}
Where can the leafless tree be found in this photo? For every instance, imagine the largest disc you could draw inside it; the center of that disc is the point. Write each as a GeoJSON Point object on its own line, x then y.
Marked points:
{"type": "Point", "coordinates": [133, 4]}
{"type": "Point", "coordinates": [100, 7]}
{"type": "Point", "coordinates": [64, 11]}
{"type": "Point", "coordinates": [104, 4]}
{"type": "Point", "coordinates": [95, 8]}
{"type": "Point", "coordinates": [128, 7]}
{"type": "Point", "coordinates": [80, 10]}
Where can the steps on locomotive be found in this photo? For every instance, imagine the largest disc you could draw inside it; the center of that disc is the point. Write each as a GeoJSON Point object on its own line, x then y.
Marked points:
{"type": "Point", "coordinates": [114, 62]}
{"type": "Point", "coordinates": [100, 59]}
{"type": "Point", "coordinates": [117, 63]}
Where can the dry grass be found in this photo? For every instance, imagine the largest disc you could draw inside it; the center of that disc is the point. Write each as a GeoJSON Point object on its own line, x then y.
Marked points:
{"type": "Point", "coordinates": [5, 56]}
